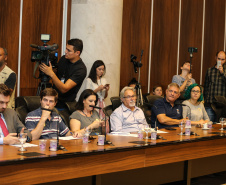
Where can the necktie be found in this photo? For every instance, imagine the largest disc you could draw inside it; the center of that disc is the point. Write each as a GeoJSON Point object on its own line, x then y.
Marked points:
{"type": "Point", "coordinates": [3, 126]}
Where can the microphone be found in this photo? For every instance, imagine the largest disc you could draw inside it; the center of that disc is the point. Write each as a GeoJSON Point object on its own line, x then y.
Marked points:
{"type": "Point", "coordinates": [34, 46]}
{"type": "Point", "coordinates": [189, 114]}
{"type": "Point", "coordinates": [95, 107]}
{"type": "Point", "coordinates": [156, 117]}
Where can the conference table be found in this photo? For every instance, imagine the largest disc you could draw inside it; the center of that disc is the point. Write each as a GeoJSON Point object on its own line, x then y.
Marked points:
{"type": "Point", "coordinates": [127, 160]}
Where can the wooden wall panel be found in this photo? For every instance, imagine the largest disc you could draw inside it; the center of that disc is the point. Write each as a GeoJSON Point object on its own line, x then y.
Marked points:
{"type": "Point", "coordinates": [9, 29]}
{"type": "Point", "coordinates": [191, 34]}
{"type": "Point", "coordinates": [214, 32]}
{"type": "Point", "coordinates": [164, 43]}
{"type": "Point", "coordinates": [135, 37]}
{"type": "Point", "coordinates": [39, 16]}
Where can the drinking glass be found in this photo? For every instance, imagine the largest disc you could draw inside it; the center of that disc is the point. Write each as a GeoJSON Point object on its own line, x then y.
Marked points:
{"type": "Point", "coordinates": [222, 120]}
{"type": "Point", "coordinates": [181, 125]}
{"type": "Point", "coordinates": [22, 138]}
{"type": "Point", "coordinates": [147, 129]}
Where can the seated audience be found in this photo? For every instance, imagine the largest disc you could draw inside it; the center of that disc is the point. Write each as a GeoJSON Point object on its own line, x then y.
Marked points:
{"type": "Point", "coordinates": [194, 110]}
{"type": "Point", "coordinates": [86, 117]}
{"type": "Point", "coordinates": [127, 117]}
{"type": "Point", "coordinates": [185, 78]}
{"type": "Point", "coordinates": [43, 121]}
{"type": "Point", "coordinates": [157, 90]}
{"type": "Point", "coordinates": [165, 111]}
{"type": "Point", "coordinates": [10, 124]}
{"type": "Point", "coordinates": [98, 83]}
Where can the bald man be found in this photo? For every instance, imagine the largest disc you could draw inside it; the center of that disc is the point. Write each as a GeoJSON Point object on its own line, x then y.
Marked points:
{"type": "Point", "coordinates": [215, 83]}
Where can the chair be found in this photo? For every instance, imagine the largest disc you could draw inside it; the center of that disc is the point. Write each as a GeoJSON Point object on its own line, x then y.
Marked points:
{"type": "Point", "coordinates": [26, 104]}
{"type": "Point", "coordinates": [219, 106]}
{"type": "Point", "coordinates": [116, 102]}
{"type": "Point", "coordinates": [152, 98]}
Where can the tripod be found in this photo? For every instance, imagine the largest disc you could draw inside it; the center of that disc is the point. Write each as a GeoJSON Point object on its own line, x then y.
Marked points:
{"type": "Point", "coordinates": [41, 86]}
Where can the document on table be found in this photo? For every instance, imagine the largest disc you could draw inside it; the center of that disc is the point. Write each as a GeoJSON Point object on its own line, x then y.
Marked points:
{"type": "Point", "coordinates": [161, 132]}
{"type": "Point", "coordinates": [123, 134]}
{"type": "Point", "coordinates": [25, 145]}
{"type": "Point", "coordinates": [220, 123]}
{"type": "Point", "coordinates": [66, 138]}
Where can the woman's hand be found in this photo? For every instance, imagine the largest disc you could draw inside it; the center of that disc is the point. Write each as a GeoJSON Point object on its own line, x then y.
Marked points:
{"type": "Point", "coordinates": [78, 134]}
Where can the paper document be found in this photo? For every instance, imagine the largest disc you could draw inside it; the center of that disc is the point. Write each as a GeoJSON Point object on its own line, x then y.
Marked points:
{"type": "Point", "coordinates": [25, 145]}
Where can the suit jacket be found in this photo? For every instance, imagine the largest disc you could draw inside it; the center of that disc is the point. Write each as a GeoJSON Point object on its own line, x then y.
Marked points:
{"type": "Point", "coordinates": [14, 125]}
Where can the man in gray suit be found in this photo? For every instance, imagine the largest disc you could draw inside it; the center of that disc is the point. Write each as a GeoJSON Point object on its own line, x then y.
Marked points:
{"type": "Point", "coordinates": [10, 125]}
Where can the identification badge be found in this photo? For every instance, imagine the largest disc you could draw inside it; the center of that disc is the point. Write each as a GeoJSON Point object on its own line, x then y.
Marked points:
{"type": "Point", "coordinates": [62, 79]}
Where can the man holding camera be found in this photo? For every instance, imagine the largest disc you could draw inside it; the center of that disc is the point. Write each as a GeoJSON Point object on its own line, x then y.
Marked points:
{"type": "Point", "coordinates": [215, 83]}
{"type": "Point", "coordinates": [7, 76]}
{"type": "Point", "coordinates": [185, 78]}
{"type": "Point", "coordinates": [70, 73]}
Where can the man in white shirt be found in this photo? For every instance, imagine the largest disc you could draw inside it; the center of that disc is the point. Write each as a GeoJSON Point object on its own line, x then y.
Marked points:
{"type": "Point", "coordinates": [127, 117]}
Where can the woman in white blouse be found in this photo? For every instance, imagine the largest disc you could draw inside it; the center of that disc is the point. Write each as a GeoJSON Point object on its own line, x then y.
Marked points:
{"type": "Point", "coordinates": [98, 83]}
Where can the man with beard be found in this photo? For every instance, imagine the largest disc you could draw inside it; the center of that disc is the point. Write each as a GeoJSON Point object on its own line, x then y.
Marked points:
{"type": "Point", "coordinates": [127, 117]}
{"type": "Point", "coordinates": [7, 76]}
{"type": "Point", "coordinates": [165, 111]}
{"type": "Point", "coordinates": [10, 125]}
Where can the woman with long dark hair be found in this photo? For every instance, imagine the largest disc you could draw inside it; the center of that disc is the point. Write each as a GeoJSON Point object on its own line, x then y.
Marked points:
{"type": "Point", "coordinates": [98, 83]}
{"type": "Point", "coordinates": [86, 117]}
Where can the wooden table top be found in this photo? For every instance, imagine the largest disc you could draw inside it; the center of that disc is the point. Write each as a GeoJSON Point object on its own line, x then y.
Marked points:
{"type": "Point", "coordinates": [10, 154]}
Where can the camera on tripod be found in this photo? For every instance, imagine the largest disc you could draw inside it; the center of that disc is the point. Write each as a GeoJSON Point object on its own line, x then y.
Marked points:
{"type": "Point", "coordinates": [45, 54]}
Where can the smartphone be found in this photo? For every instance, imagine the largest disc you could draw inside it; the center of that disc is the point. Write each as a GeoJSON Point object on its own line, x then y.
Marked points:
{"type": "Point", "coordinates": [106, 85]}
{"type": "Point", "coordinates": [218, 64]}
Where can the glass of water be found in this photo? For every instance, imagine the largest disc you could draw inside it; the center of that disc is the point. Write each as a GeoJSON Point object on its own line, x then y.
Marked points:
{"type": "Point", "coordinates": [181, 125]}
{"type": "Point", "coordinates": [22, 138]}
{"type": "Point", "coordinates": [222, 120]}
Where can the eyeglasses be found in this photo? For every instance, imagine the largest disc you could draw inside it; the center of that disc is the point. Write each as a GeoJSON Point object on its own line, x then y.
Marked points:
{"type": "Point", "coordinates": [128, 97]}
{"type": "Point", "coordinates": [175, 92]}
{"type": "Point", "coordinates": [193, 91]}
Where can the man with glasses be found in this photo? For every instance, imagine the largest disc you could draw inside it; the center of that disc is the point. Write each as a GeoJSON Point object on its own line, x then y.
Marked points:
{"type": "Point", "coordinates": [215, 83]}
{"type": "Point", "coordinates": [42, 122]}
{"type": "Point", "coordinates": [165, 111]}
{"type": "Point", "coordinates": [71, 72]}
{"type": "Point", "coordinates": [127, 117]}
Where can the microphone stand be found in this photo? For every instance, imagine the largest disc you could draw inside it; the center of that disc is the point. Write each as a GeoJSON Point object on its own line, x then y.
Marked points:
{"type": "Point", "coordinates": [59, 147]}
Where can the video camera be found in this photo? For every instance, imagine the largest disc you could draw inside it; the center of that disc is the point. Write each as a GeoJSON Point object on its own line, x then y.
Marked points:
{"type": "Point", "coordinates": [45, 54]}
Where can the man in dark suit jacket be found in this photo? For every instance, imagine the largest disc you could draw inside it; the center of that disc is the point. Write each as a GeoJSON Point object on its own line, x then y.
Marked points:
{"type": "Point", "coordinates": [10, 125]}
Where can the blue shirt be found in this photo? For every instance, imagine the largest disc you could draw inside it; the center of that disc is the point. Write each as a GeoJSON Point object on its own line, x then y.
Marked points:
{"type": "Point", "coordinates": [1, 133]}
{"type": "Point", "coordinates": [50, 128]}
{"type": "Point", "coordinates": [124, 119]}
{"type": "Point", "coordinates": [161, 106]}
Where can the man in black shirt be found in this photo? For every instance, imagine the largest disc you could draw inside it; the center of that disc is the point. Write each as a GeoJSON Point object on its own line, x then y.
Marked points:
{"type": "Point", "coordinates": [70, 73]}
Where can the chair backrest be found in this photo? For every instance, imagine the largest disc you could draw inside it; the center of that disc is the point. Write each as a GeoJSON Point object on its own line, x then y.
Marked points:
{"type": "Point", "coordinates": [152, 98]}
{"type": "Point", "coordinates": [219, 106]}
{"type": "Point", "coordinates": [26, 104]}
{"type": "Point", "coordinates": [116, 102]}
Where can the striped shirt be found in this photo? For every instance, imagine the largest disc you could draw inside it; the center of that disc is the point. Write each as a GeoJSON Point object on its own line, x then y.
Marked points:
{"type": "Point", "coordinates": [215, 84]}
{"type": "Point", "coordinates": [50, 128]}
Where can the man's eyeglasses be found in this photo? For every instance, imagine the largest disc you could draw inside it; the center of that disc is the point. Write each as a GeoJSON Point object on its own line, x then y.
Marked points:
{"type": "Point", "coordinates": [128, 97]}
{"type": "Point", "coordinates": [193, 91]}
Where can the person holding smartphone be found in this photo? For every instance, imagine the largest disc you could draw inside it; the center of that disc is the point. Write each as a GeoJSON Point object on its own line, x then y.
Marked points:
{"type": "Point", "coordinates": [98, 83]}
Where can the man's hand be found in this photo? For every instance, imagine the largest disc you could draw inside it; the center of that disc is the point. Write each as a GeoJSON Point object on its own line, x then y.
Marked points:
{"type": "Point", "coordinates": [189, 76]}
{"type": "Point", "coordinates": [46, 113]}
{"type": "Point", "coordinates": [221, 69]}
{"type": "Point", "coordinates": [48, 70]}
{"type": "Point", "coordinates": [10, 139]}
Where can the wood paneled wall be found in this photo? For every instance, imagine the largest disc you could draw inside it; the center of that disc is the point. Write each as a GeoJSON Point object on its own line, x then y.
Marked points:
{"type": "Point", "coordinates": [165, 30]}
{"type": "Point", "coordinates": [39, 16]}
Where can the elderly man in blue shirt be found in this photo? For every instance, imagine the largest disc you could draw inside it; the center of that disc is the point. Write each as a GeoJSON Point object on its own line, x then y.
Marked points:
{"type": "Point", "coordinates": [127, 117]}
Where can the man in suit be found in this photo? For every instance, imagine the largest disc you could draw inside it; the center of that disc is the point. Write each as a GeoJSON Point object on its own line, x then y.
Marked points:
{"type": "Point", "coordinates": [10, 125]}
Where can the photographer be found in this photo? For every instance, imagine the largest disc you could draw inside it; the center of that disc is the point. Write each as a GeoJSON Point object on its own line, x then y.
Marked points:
{"type": "Point", "coordinates": [70, 73]}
